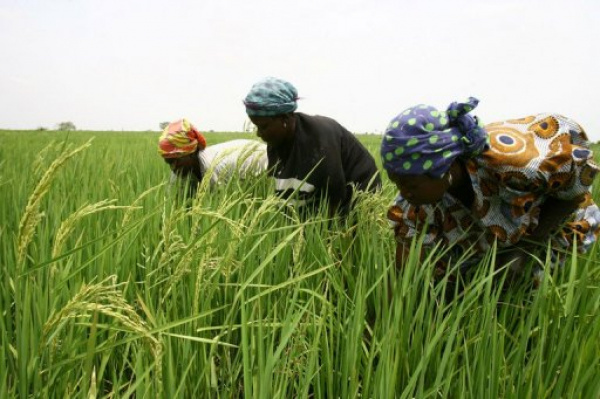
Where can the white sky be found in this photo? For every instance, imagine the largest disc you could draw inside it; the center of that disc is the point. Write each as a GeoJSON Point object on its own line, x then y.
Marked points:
{"type": "Point", "coordinates": [131, 64]}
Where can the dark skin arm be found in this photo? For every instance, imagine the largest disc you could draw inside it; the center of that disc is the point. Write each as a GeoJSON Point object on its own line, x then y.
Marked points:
{"type": "Point", "coordinates": [552, 214]}
{"type": "Point", "coordinates": [333, 208]}
{"type": "Point", "coordinates": [402, 253]}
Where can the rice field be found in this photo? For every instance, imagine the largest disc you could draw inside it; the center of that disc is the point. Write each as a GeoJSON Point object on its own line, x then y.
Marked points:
{"type": "Point", "coordinates": [110, 287]}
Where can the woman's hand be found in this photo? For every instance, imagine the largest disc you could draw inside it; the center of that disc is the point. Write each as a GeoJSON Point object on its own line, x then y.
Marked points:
{"type": "Point", "coordinates": [515, 261]}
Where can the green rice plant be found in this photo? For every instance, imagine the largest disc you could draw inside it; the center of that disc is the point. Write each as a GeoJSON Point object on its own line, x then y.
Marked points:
{"type": "Point", "coordinates": [235, 294]}
{"type": "Point", "coordinates": [135, 205]}
{"type": "Point", "coordinates": [32, 215]}
{"type": "Point", "coordinates": [67, 226]}
{"type": "Point", "coordinates": [103, 298]}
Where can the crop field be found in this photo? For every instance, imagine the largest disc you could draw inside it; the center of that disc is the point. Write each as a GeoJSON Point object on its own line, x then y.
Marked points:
{"type": "Point", "coordinates": [111, 287]}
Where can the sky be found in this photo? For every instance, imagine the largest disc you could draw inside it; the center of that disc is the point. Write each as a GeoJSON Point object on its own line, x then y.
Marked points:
{"type": "Point", "coordinates": [132, 64]}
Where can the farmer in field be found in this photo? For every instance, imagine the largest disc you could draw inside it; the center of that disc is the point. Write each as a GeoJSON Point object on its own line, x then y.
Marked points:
{"type": "Point", "coordinates": [518, 182]}
{"type": "Point", "coordinates": [313, 158]}
{"type": "Point", "coordinates": [185, 150]}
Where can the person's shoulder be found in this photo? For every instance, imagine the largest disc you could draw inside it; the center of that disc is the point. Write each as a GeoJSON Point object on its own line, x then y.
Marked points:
{"type": "Point", "coordinates": [321, 124]}
{"type": "Point", "coordinates": [317, 119]}
{"type": "Point", "coordinates": [525, 153]}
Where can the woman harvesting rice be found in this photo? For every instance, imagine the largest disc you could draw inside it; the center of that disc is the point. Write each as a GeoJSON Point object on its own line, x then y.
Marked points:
{"type": "Point", "coordinates": [518, 182]}
{"type": "Point", "coordinates": [185, 150]}
{"type": "Point", "coordinates": [313, 157]}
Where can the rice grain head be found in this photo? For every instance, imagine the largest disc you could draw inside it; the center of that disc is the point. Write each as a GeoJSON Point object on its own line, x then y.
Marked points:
{"type": "Point", "coordinates": [105, 298]}
{"type": "Point", "coordinates": [32, 215]}
{"type": "Point", "coordinates": [67, 226]}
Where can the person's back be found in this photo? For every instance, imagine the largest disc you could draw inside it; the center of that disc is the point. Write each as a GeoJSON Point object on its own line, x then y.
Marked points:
{"type": "Point", "coordinates": [245, 157]}
{"type": "Point", "coordinates": [328, 158]}
{"type": "Point", "coordinates": [311, 157]}
{"type": "Point", "coordinates": [185, 149]}
{"type": "Point", "coordinates": [517, 183]}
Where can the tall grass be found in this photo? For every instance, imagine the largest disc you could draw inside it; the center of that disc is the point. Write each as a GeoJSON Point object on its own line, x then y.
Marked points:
{"type": "Point", "coordinates": [117, 289]}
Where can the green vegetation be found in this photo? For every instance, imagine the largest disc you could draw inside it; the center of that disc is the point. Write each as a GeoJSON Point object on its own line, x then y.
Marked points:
{"type": "Point", "coordinates": [111, 289]}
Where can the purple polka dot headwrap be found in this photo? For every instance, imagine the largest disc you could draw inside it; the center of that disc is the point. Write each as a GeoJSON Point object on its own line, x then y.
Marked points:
{"type": "Point", "coordinates": [423, 140]}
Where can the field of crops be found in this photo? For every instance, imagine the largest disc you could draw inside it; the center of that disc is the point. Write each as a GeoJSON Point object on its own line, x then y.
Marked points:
{"type": "Point", "coordinates": [110, 288]}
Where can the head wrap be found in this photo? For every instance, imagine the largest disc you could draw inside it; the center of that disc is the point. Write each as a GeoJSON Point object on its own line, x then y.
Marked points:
{"type": "Point", "coordinates": [179, 139]}
{"type": "Point", "coordinates": [423, 140]}
{"type": "Point", "coordinates": [270, 97]}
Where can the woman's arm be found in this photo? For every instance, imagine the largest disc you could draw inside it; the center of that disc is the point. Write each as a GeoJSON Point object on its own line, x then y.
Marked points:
{"type": "Point", "coordinates": [553, 213]}
{"type": "Point", "coordinates": [402, 254]}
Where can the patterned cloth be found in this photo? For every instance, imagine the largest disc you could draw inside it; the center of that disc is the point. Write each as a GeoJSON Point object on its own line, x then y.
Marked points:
{"type": "Point", "coordinates": [180, 138]}
{"type": "Point", "coordinates": [270, 97]}
{"type": "Point", "coordinates": [529, 160]}
{"type": "Point", "coordinates": [423, 140]}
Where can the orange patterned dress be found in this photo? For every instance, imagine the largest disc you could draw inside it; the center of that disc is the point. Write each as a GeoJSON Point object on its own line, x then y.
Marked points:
{"type": "Point", "coordinates": [529, 160]}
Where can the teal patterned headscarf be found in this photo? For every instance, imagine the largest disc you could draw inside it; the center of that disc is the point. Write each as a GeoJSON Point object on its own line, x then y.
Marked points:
{"type": "Point", "coordinates": [423, 140]}
{"type": "Point", "coordinates": [270, 97]}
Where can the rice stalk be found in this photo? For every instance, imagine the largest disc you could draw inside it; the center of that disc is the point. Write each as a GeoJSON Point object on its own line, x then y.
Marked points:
{"type": "Point", "coordinates": [300, 243]}
{"type": "Point", "coordinates": [219, 216]}
{"type": "Point", "coordinates": [104, 298]}
{"type": "Point", "coordinates": [32, 216]}
{"type": "Point", "coordinates": [93, 391]}
{"type": "Point", "coordinates": [197, 211]}
{"type": "Point", "coordinates": [171, 243]}
{"type": "Point", "coordinates": [67, 226]}
{"type": "Point", "coordinates": [182, 267]}
{"type": "Point", "coordinates": [206, 262]}
{"type": "Point", "coordinates": [203, 241]}
{"type": "Point", "coordinates": [114, 188]}
{"type": "Point", "coordinates": [3, 180]}
{"type": "Point", "coordinates": [134, 205]}
{"type": "Point", "coordinates": [369, 331]}
{"type": "Point", "coordinates": [38, 162]}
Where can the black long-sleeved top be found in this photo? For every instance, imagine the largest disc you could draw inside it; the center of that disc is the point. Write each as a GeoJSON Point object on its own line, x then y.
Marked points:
{"type": "Point", "coordinates": [331, 160]}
